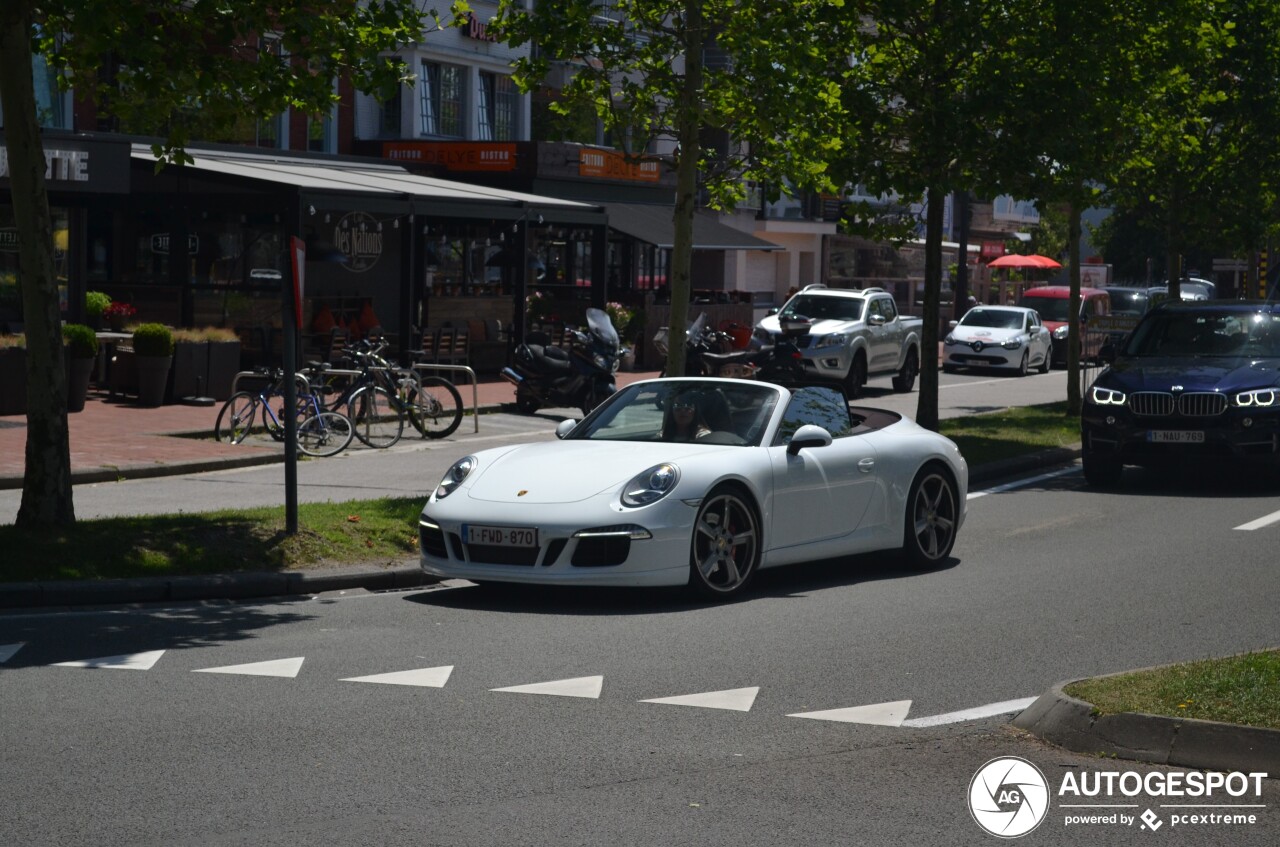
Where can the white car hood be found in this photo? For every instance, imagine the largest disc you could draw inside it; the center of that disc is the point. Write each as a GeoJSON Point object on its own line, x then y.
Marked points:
{"type": "Point", "coordinates": [818, 328]}
{"type": "Point", "coordinates": [985, 334]}
{"type": "Point", "coordinates": [569, 471]}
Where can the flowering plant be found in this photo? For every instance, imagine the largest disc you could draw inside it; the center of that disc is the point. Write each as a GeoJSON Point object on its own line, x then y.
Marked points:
{"type": "Point", "coordinates": [538, 305]}
{"type": "Point", "coordinates": [119, 310]}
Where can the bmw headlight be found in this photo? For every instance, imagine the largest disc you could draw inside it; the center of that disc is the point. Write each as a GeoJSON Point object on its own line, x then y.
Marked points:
{"type": "Point", "coordinates": [1106, 396]}
{"type": "Point", "coordinates": [453, 477]}
{"type": "Point", "coordinates": [651, 485]}
{"type": "Point", "coordinates": [1262, 397]}
{"type": "Point", "coordinates": [1061, 333]}
{"type": "Point", "coordinates": [1012, 343]}
{"type": "Point", "coordinates": [835, 339]}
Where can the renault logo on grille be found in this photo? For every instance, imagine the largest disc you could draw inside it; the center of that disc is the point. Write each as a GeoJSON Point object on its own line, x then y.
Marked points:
{"type": "Point", "coordinates": [977, 346]}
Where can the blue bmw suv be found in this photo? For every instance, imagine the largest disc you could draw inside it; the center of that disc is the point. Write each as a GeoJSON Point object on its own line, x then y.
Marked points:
{"type": "Point", "coordinates": [1193, 380]}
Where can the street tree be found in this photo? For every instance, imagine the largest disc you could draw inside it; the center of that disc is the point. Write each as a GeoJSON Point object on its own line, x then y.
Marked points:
{"type": "Point", "coordinates": [913, 94]}
{"type": "Point", "coordinates": [180, 71]}
{"type": "Point", "coordinates": [725, 92]}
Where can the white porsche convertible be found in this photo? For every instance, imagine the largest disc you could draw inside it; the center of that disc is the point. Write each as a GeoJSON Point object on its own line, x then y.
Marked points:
{"type": "Point", "coordinates": [701, 482]}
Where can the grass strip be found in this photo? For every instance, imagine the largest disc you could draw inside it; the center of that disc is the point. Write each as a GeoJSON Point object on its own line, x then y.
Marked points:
{"type": "Point", "coordinates": [1237, 689]}
{"type": "Point", "coordinates": [1014, 432]}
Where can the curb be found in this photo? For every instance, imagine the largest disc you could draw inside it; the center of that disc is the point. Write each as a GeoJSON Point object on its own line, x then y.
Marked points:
{"type": "Point", "coordinates": [1063, 720]}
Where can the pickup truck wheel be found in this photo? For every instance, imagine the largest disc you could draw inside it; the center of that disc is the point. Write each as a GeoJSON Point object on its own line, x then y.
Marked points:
{"type": "Point", "coordinates": [857, 377]}
{"type": "Point", "coordinates": [906, 378]}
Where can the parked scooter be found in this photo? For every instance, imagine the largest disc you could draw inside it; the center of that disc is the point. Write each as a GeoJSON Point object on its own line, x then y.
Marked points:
{"type": "Point", "coordinates": [582, 377]}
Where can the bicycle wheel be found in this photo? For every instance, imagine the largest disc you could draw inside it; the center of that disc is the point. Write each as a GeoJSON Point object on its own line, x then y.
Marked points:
{"type": "Point", "coordinates": [235, 418]}
{"type": "Point", "coordinates": [325, 434]}
{"type": "Point", "coordinates": [376, 416]}
{"type": "Point", "coordinates": [274, 423]}
{"type": "Point", "coordinates": [434, 405]}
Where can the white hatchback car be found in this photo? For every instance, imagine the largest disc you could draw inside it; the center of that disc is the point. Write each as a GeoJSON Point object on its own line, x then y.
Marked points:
{"type": "Point", "coordinates": [998, 337]}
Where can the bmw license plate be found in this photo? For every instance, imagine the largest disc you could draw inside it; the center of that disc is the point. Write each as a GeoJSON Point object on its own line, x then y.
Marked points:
{"type": "Point", "coordinates": [500, 536]}
{"type": "Point", "coordinates": [1176, 436]}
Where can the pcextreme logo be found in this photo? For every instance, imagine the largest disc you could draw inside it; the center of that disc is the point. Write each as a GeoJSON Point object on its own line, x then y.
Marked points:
{"type": "Point", "coordinates": [1009, 797]}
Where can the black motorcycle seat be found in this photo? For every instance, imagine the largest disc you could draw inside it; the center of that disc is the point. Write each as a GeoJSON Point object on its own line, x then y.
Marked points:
{"type": "Point", "coordinates": [551, 358]}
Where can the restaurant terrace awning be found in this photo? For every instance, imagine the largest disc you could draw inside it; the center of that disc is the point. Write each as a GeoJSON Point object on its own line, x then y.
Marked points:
{"type": "Point", "coordinates": [653, 225]}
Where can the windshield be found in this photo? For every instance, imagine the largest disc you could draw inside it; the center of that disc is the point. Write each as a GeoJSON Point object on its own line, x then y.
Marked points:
{"type": "Point", "coordinates": [824, 308]}
{"type": "Point", "coordinates": [1200, 334]}
{"type": "Point", "coordinates": [1050, 308]}
{"type": "Point", "coordinates": [602, 328]}
{"type": "Point", "coordinates": [1129, 302]}
{"type": "Point", "coordinates": [994, 318]}
{"type": "Point", "coordinates": [684, 410]}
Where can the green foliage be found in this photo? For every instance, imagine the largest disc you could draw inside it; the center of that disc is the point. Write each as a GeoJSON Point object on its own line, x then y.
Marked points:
{"type": "Point", "coordinates": [82, 342]}
{"type": "Point", "coordinates": [152, 340]}
{"type": "Point", "coordinates": [95, 303]}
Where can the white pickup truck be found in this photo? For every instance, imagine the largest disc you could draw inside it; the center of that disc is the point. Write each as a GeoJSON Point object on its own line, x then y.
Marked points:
{"type": "Point", "coordinates": [847, 335]}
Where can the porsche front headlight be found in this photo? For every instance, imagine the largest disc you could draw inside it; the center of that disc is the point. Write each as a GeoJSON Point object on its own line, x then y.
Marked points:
{"type": "Point", "coordinates": [453, 477]}
{"type": "Point", "coordinates": [651, 485]}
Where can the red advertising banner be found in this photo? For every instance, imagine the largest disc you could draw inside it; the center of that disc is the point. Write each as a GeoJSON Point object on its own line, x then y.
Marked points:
{"type": "Point", "coordinates": [606, 164]}
{"type": "Point", "coordinates": [992, 250]}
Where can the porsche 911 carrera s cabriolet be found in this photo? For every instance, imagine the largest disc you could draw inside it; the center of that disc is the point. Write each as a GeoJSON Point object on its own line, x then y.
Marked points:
{"type": "Point", "coordinates": [701, 482]}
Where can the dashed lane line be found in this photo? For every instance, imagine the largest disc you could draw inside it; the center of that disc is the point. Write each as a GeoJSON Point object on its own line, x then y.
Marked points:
{"type": "Point", "coordinates": [1265, 520]}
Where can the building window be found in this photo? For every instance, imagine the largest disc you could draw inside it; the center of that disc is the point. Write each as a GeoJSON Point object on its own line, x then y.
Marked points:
{"type": "Point", "coordinates": [52, 105]}
{"type": "Point", "coordinates": [441, 102]}
{"type": "Point", "coordinates": [389, 116]}
{"type": "Point", "coordinates": [496, 109]}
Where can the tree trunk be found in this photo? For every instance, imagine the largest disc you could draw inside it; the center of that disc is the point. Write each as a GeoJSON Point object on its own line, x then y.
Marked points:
{"type": "Point", "coordinates": [1074, 329]}
{"type": "Point", "coordinates": [46, 485]}
{"type": "Point", "coordinates": [688, 126]}
{"type": "Point", "coordinates": [927, 405]}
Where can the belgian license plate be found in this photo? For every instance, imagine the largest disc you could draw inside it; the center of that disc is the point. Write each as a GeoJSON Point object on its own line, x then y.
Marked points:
{"type": "Point", "coordinates": [1176, 436]}
{"type": "Point", "coordinates": [500, 536]}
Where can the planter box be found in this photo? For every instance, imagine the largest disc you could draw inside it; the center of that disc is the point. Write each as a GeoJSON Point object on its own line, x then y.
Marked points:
{"type": "Point", "coordinates": [13, 381]}
{"type": "Point", "coordinates": [190, 371]}
{"type": "Point", "coordinates": [153, 378]}
{"type": "Point", "coordinates": [78, 373]}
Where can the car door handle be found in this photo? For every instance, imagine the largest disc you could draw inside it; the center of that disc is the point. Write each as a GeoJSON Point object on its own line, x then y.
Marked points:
{"type": "Point", "coordinates": [866, 465]}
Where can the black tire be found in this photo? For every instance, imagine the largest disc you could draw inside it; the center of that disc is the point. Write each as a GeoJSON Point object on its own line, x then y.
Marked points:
{"type": "Point", "coordinates": [325, 434]}
{"type": "Point", "coordinates": [435, 407]}
{"type": "Point", "coordinates": [1024, 367]}
{"type": "Point", "coordinates": [376, 417]}
{"type": "Point", "coordinates": [724, 552]}
{"type": "Point", "coordinates": [949, 369]}
{"type": "Point", "coordinates": [591, 397]}
{"type": "Point", "coordinates": [1100, 471]}
{"type": "Point", "coordinates": [1048, 355]}
{"type": "Point", "coordinates": [932, 518]}
{"type": "Point", "coordinates": [236, 417]}
{"type": "Point", "coordinates": [526, 403]}
{"type": "Point", "coordinates": [857, 377]}
{"type": "Point", "coordinates": [906, 378]}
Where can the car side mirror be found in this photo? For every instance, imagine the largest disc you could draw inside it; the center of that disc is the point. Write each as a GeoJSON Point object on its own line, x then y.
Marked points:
{"type": "Point", "coordinates": [772, 311]}
{"type": "Point", "coordinates": [953, 324]}
{"type": "Point", "coordinates": [876, 320]}
{"type": "Point", "coordinates": [565, 427]}
{"type": "Point", "coordinates": [808, 436]}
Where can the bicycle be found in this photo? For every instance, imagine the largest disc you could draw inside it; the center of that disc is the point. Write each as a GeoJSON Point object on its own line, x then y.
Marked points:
{"type": "Point", "coordinates": [382, 397]}
{"type": "Point", "coordinates": [321, 432]}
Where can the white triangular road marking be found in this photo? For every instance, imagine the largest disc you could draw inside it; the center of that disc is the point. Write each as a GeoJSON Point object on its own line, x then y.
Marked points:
{"type": "Point", "coordinates": [735, 699]}
{"type": "Point", "coordinates": [988, 711]}
{"type": "Point", "coordinates": [275, 667]}
{"type": "Point", "coordinates": [126, 662]}
{"type": "Point", "coordinates": [7, 651]}
{"type": "Point", "coordinates": [423, 677]}
{"type": "Point", "coordinates": [583, 686]}
{"type": "Point", "coordinates": [879, 714]}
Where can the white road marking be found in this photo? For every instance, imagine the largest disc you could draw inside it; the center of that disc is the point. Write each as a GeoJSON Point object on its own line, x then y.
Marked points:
{"type": "Point", "coordinates": [125, 662]}
{"type": "Point", "coordinates": [1265, 520]}
{"type": "Point", "coordinates": [1010, 486]}
{"type": "Point", "coordinates": [879, 714]}
{"type": "Point", "coordinates": [424, 677]}
{"type": "Point", "coordinates": [583, 686]}
{"type": "Point", "coordinates": [990, 710]}
{"type": "Point", "coordinates": [7, 651]}
{"type": "Point", "coordinates": [276, 667]}
{"type": "Point", "coordinates": [736, 699]}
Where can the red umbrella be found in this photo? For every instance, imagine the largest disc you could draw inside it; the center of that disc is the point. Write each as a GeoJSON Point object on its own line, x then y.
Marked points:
{"type": "Point", "coordinates": [1016, 261]}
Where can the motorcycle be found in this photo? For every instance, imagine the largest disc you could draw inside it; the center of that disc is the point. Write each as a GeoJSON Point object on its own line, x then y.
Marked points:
{"type": "Point", "coordinates": [582, 377]}
{"type": "Point", "coordinates": [710, 352]}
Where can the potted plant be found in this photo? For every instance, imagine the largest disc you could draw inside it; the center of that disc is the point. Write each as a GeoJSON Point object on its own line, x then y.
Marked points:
{"type": "Point", "coordinates": [117, 314]}
{"type": "Point", "coordinates": [95, 304]}
{"type": "Point", "coordinates": [153, 354]}
{"type": "Point", "coordinates": [190, 364]}
{"type": "Point", "coordinates": [224, 361]}
{"type": "Point", "coordinates": [13, 374]}
{"type": "Point", "coordinates": [82, 355]}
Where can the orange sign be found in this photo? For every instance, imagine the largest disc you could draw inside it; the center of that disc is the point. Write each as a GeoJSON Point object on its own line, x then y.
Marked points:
{"type": "Point", "coordinates": [454, 155]}
{"type": "Point", "coordinates": [606, 164]}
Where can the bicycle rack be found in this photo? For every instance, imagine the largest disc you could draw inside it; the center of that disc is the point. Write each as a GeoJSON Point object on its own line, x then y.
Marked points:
{"type": "Point", "coordinates": [235, 382]}
{"type": "Point", "coordinates": [475, 391]}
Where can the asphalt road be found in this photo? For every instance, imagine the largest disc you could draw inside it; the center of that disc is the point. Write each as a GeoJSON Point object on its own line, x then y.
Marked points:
{"type": "Point", "coordinates": [1049, 581]}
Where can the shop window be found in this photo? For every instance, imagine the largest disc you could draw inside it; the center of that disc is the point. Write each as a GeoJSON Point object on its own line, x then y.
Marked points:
{"type": "Point", "coordinates": [440, 100]}
{"type": "Point", "coordinates": [496, 108]}
{"type": "Point", "coordinates": [10, 297]}
{"type": "Point", "coordinates": [389, 116]}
